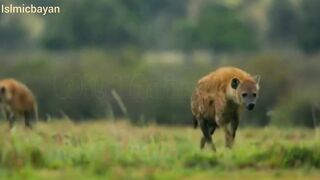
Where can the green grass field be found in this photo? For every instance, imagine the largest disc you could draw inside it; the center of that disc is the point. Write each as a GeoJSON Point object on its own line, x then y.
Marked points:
{"type": "Point", "coordinates": [103, 149]}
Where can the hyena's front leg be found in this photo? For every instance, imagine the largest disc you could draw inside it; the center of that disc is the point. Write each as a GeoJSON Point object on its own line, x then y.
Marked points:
{"type": "Point", "coordinates": [234, 127]}
{"type": "Point", "coordinates": [230, 132]}
{"type": "Point", "coordinates": [228, 136]}
{"type": "Point", "coordinates": [11, 118]}
{"type": "Point", "coordinates": [207, 131]}
{"type": "Point", "coordinates": [223, 123]}
{"type": "Point", "coordinates": [213, 127]}
{"type": "Point", "coordinates": [4, 112]}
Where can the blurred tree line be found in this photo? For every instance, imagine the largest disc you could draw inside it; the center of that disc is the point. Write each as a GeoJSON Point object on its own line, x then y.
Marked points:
{"type": "Point", "coordinates": [295, 24]}
{"type": "Point", "coordinates": [180, 24]}
{"type": "Point", "coordinates": [152, 52]}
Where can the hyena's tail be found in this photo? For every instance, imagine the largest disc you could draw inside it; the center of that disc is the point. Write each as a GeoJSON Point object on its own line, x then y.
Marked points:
{"type": "Point", "coordinates": [195, 122]}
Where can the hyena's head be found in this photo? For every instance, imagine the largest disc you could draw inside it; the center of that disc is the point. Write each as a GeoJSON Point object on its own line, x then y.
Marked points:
{"type": "Point", "coordinates": [246, 91]}
{"type": "Point", "coordinates": [4, 94]}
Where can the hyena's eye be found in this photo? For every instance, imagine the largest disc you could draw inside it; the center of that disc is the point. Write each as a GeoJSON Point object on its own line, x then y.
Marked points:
{"type": "Point", "coordinates": [244, 95]}
{"type": "Point", "coordinates": [254, 95]}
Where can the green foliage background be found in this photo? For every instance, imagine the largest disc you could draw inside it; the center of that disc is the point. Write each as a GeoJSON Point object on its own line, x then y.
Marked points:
{"type": "Point", "coordinates": [152, 52]}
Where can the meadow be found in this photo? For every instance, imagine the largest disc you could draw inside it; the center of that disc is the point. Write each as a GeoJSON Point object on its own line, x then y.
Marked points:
{"type": "Point", "coordinates": [62, 149]}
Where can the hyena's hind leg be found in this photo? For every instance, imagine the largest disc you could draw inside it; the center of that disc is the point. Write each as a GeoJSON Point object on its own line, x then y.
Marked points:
{"type": "Point", "coordinates": [195, 122]}
{"type": "Point", "coordinates": [207, 131]}
{"type": "Point", "coordinates": [27, 119]}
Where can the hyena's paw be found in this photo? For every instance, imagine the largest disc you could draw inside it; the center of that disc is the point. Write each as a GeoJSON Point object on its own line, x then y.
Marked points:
{"type": "Point", "coordinates": [229, 143]}
{"type": "Point", "coordinates": [213, 147]}
{"type": "Point", "coordinates": [202, 142]}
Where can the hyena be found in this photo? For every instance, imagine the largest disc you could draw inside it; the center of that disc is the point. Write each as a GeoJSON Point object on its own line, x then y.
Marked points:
{"type": "Point", "coordinates": [218, 100]}
{"type": "Point", "coordinates": [17, 100]}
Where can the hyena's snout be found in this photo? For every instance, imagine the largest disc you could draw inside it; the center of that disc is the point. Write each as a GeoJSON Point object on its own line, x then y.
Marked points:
{"type": "Point", "coordinates": [250, 106]}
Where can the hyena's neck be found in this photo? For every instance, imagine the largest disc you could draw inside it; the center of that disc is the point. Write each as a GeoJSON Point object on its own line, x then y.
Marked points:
{"type": "Point", "coordinates": [230, 103]}
{"type": "Point", "coordinates": [230, 111]}
{"type": "Point", "coordinates": [231, 99]}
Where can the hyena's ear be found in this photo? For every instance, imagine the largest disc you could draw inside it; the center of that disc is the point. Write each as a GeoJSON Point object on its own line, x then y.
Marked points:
{"type": "Point", "coordinates": [257, 78]}
{"type": "Point", "coordinates": [235, 83]}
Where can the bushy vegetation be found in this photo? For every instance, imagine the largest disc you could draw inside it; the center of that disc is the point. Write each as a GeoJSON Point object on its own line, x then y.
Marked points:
{"type": "Point", "coordinates": [62, 149]}
{"type": "Point", "coordinates": [144, 87]}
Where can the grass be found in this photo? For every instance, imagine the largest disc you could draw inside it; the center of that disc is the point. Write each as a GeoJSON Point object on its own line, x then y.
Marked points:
{"type": "Point", "coordinates": [118, 150]}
